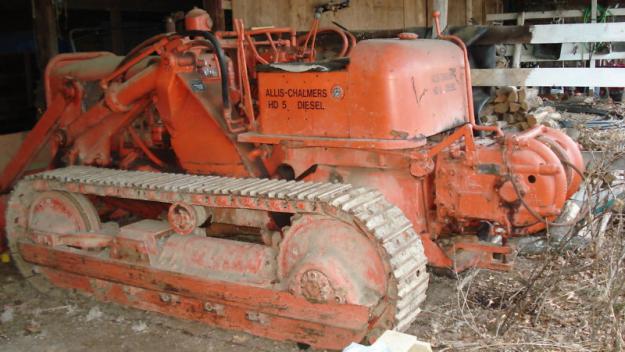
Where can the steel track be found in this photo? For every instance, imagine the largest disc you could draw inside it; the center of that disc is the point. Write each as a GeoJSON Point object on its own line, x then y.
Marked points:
{"type": "Point", "coordinates": [366, 208]}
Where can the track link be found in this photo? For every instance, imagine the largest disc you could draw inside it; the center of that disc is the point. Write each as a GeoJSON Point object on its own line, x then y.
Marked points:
{"type": "Point", "coordinates": [368, 209]}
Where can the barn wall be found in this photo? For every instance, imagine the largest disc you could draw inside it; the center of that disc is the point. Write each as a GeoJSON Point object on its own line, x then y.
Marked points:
{"type": "Point", "coordinates": [361, 15]}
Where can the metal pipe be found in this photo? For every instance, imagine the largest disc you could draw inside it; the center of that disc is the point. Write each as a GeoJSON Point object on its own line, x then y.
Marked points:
{"type": "Point", "coordinates": [120, 96]}
{"type": "Point", "coordinates": [138, 86]}
{"type": "Point", "coordinates": [467, 66]}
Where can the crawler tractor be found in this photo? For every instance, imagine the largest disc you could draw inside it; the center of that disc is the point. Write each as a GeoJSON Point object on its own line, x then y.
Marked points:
{"type": "Point", "coordinates": [238, 179]}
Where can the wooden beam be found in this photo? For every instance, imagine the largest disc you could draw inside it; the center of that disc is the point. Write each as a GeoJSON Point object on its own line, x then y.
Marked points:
{"type": "Point", "coordinates": [44, 23]}
{"type": "Point", "coordinates": [468, 4]}
{"type": "Point", "coordinates": [133, 5]}
{"type": "Point", "coordinates": [593, 19]}
{"type": "Point", "coordinates": [568, 52]}
{"type": "Point", "coordinates": [549, 77]}
{"type": "Point", "coordinates": [554, 33]}
{"type": "Point", "coordinates": [518, 48]}
{"type": "Point", "coordinates": [216, 11]}
{"type": "Point", "coordinates": [505, 35]}
{"type": "Point", "coordinates": [497, 17]}
{"type": "Point", "coordinates": [578, 33]}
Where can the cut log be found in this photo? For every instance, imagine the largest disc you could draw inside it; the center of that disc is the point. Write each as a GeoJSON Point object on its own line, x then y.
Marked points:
{"type": "Point", "coordinates": [510, 118]}
{"type": "Point", "coordinates": [505, 90]}
{"type": "Point", "coordinates": [514, 107]}
{"type": "Point", "coordinates": [513, 96]}
{"type": "Point", "coordinates": [524, 105]}
{"type": "Point", "coordinates": [527, 93]}
{"type": "Point", "coordinates": [500, 98]}
{"type": "Point", "coordinates": [502, 108]}
{"type": "Point", "coordinates": [522, 94]}
{"type": "Point", "coordinates": [502, 94]}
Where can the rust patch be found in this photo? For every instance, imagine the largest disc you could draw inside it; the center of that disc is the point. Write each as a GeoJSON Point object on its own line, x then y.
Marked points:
{"type": "Point", "coordinates": [399, 134]}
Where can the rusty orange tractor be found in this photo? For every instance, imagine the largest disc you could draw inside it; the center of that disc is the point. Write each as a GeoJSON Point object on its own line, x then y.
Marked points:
{"type": "Point", "coordinates": [233, 178]}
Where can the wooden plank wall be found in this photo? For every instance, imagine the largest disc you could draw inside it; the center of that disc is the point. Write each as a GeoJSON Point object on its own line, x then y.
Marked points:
{"type": "Point", "coordinates": [361, 15]}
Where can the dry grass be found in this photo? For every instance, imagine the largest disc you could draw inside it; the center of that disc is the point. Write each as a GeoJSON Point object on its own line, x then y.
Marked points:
{"type": "Point", "coordinates": [567, 298]}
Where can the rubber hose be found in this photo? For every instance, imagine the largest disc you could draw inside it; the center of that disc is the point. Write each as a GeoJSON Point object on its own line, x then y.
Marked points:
{"type": "Point", "coordinates": [221, 58]}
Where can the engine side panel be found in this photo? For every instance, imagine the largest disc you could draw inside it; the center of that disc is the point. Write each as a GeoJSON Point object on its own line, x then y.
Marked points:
{"type": "Point", "coordinates": [391, 89]}
{"type": "Point", "coordinates": [308, 103]}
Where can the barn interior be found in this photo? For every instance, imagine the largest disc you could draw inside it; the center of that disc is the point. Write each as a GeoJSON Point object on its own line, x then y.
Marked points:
{"type": "Point", "coordinates": [289, 175]}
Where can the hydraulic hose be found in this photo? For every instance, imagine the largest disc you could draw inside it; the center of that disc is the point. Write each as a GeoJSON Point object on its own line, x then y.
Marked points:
{"type": "Point", "coordinates": [146, 43]}
{"type": "Point", "coordinates": [221, 58]}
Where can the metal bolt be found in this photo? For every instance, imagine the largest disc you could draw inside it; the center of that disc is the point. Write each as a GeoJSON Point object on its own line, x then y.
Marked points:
{"type": "Point", "coordinates": [209, 307]}
{"type": "Point", "coordinates": [257, 317]}
{"type": "Point", "coordinates": [337, 92]}
{"type": "Point", "coordinates": [208, 71]}
{"type": "Point", "coordinates": [217, 309]}
{"type": "Point", "coordinates": [165, 297]}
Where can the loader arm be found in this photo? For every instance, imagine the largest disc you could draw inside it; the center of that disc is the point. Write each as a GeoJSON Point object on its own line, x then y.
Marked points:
{"type": "Point", "coordinates": [36, 140]}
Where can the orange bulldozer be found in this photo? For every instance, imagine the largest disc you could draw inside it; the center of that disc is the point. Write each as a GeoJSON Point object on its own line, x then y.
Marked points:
{"type": "Point", "coordinates": [237, 179]}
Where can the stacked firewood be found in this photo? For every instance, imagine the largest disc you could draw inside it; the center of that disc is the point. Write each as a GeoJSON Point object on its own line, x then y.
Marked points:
{"type": "Point", "coordinates": [518, 109]}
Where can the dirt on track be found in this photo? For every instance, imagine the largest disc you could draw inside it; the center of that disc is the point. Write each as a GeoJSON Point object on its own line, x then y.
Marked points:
{"type": "Point", "coordinates": [30, 321]}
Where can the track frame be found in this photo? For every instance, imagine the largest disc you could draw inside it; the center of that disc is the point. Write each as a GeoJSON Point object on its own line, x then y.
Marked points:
{"type": "Point", "coordinates": [260, 311]}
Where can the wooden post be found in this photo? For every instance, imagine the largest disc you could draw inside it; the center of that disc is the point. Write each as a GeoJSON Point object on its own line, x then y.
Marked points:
{"type": "Point", "coordinates": [441, 6]}
{"type": "Point", "coordinates": [216, 11]}
{"type": "Point", "coordinates": [469, 12]}
{"type": "Point", "coordinates": [593, 19]}
{"type": "Point", "coordinates": [117, 35]}
{"type": "Point", "coordinates": [534, 15]}
{"type": "Point", "coordinates": [518, 48]}
{"type": "Point", "coordinates": [44, 24]}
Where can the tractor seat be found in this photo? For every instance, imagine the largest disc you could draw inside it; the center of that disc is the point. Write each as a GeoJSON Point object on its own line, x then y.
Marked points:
{"type": "Point", "coordinates": [318, 66]}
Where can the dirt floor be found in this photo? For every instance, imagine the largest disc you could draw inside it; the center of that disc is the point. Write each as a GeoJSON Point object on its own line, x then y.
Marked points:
{"type": "Point", "coordinates": [34, 322]}
{"type": "Point", "coordinates": [462, 314]}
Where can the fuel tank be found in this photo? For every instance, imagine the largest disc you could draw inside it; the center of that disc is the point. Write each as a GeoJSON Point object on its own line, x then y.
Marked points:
{"type": "Point", "coordinates": [388, 89]}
